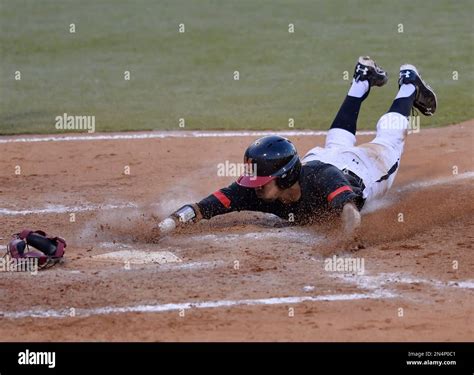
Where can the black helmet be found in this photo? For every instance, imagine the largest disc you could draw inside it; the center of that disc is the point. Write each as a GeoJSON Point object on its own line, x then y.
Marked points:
{"type": "Point", "coordinates": [272, 157]}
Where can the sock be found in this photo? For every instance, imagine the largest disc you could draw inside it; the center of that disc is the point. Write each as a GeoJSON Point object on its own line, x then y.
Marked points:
{"type": "Point", "coordinates": [347, 116]}
{"type": "Point", "coordinates": [359, 89]}
{"type": "Point", "coordinates": [405, 90]}
{"type": "Point", "coordinates": [404, 100]}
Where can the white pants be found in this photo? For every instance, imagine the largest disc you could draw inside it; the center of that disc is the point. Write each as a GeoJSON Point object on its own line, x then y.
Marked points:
{"type": "Point", "coordinates": [376, 162]}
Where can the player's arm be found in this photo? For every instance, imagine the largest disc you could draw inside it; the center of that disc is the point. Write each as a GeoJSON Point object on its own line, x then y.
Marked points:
{"type": "Point", "coordinates": [228, 199]}
{"type": "Point", "coordinates": [335, 188]}
{"type": "Point", "coordinates": [222, 201]}
{"type": "Point", "coordinates": [340, 197]}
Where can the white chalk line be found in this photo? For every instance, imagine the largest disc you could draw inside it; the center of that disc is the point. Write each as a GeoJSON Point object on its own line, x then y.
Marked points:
{"type": "Point", "coordinates": [373, 283]}
{"type": "Point", "coordinates": [166, 134]}
{"type": "Point", "coordinates": [59, 209]}
{"type": "Point", "coordinates": [376, 282]}
{"type": "Point", "coordinates": [168, 307]}
{"type": "Point", "coordinates": [376, 285]}
{"type": "Point", "coordinates": [466, 284]}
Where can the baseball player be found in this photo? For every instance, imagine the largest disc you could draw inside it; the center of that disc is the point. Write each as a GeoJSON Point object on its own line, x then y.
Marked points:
{"type": "Point", "coordinates": [334, 181]}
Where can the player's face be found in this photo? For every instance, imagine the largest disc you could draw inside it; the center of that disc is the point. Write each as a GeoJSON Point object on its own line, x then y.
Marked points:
{"type": "Point", "coordinates": [268, 192]}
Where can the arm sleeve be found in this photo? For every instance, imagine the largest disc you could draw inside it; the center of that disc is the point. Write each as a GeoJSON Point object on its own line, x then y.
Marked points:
{"type": "Point", "coordinates": [229, 199]}
{"type": "Point", "coordinates": [336, 188]}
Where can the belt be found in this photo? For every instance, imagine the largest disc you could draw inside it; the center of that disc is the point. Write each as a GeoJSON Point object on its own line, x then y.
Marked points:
{"type": "Point", "coordinates": [359, 180]}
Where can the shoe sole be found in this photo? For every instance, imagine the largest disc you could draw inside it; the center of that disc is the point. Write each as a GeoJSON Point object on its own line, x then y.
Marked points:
{"type": "Point", "coordinates": [367, 61]}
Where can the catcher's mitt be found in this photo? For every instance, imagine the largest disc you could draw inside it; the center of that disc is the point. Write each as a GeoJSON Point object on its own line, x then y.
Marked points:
{"type": "Point", "coordinates": [48, 250]}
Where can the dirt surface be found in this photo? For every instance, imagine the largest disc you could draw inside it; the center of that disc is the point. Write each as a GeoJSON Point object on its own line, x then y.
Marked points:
{"type": "Point", "coordinates": [243, 276]}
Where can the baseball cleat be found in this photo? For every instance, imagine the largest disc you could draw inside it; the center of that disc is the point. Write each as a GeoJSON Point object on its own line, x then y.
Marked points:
{"type": "Point", "coordinates": [425, 99]}
{"type": "Point", "coordinates": [367, 70]}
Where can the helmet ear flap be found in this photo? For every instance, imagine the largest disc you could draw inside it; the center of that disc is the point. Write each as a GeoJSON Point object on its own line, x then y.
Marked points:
{"type": "Point", "coordinates": [281, 183]}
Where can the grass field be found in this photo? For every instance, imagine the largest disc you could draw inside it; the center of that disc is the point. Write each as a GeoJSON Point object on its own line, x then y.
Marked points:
{"type": "Point", "coordinates": [190, 75]}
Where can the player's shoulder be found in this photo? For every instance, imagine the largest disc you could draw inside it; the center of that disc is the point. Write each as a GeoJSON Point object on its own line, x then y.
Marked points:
{"type": "Point", "coordinates": [315, 167]}
{"type": "Point", "coordinates": [317, 172]}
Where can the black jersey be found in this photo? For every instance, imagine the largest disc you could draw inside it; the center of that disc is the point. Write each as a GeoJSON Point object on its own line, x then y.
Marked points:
{"type": "Point", "coordinates": [324, 191]}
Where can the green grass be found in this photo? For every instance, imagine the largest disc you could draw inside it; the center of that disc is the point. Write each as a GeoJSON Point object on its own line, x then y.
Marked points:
{"type": "Point", "coordinates": [190, 75]}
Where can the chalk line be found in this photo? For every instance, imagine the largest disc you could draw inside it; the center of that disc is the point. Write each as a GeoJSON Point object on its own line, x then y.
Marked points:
{"type": "Point", "coordinates": [58, 209]}
{"type": "Point", "coordinates": [159, 308]}
{"type": "Point", "coordinates": [164, 134]}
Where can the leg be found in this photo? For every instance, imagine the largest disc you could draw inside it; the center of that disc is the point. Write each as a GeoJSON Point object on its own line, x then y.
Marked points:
{"type": "Point", "coordinates": [413, 91]}
{"type": "Point", "coordinates": [343, 129]}
{"type": "Point", "coordinates": [392, 127]}
{"type": "Point", "coordinates": [348, 113]}
{"type": "Point", "coordinates": [386, 149]}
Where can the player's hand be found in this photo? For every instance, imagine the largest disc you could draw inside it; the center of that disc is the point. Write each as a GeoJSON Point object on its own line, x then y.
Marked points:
{"type": "Point", "coordinates": [351, 219]}
{"type": "Point", "coordinates": [185, 215]}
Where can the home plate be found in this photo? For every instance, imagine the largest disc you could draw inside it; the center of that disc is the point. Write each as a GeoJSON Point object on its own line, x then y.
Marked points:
{"type": "Point", "coordinates": [138, 257]}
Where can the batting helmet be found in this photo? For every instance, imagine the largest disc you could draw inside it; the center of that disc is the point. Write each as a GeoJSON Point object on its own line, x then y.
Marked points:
{"type": "Point", "coordinates": [272, 158]}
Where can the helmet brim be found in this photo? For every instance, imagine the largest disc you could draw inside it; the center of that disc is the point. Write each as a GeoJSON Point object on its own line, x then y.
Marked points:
{"type": "Point", "coordinates": [254, 181]}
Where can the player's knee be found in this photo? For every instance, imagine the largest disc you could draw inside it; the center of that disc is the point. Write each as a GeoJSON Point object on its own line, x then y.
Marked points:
{"type": "Point", "coordinates": [392, 122]}
{"type": "Point", "coordinates": [339, 138]}
{"type": "Point", "coordinates": [392, 129]}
